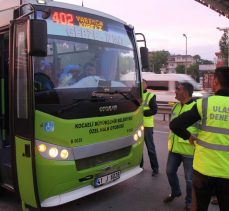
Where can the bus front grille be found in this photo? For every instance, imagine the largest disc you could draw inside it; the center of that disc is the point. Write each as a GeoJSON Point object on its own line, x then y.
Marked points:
{"type": "Point", "coordinates": [93, 161]}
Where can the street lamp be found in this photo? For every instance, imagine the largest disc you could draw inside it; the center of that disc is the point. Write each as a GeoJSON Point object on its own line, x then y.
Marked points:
{"type": "Point", "coordinates": [226, 30]}
{"type": "Point", "coordinates": [185, 53]}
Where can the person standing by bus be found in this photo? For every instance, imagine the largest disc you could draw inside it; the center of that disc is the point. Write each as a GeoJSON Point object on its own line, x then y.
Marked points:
{"type": "Point", "coordinates": [180, 151]}
{"type": "Point", "coordinates": [149, 109]}
{"type": "Point", "coordinates": [211, 157]}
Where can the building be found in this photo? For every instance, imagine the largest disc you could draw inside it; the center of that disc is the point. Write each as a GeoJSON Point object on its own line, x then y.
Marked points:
{"type": "Point", "coordinates": [207, 73]}
{"type": "Point", "coordinates": [175, 60]}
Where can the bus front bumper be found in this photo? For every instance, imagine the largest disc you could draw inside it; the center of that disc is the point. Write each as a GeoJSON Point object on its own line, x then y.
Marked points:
{"type": "Point", "coordinates": [87, 190]}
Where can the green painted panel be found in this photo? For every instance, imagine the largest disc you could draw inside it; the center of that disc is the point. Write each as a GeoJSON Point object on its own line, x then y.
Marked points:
{"type": "Point", "coordinates": [55, 177]}
{"type": "Point", "coordinates": [81, 132]}
{"type": "Point", "coordinates": [24, 172]}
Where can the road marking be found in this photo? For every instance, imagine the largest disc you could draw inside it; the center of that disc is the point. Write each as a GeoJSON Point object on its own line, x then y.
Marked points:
{"type": "Point", "coordinates": [158, 131]}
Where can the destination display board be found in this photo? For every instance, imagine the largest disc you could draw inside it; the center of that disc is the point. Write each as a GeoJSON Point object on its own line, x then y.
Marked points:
{"type": "Point", "coordinates": [87, 26]}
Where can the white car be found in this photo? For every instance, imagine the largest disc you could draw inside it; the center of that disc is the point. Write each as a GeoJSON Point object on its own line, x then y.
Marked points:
{"type": "Point", "coordinates": [164, 86]}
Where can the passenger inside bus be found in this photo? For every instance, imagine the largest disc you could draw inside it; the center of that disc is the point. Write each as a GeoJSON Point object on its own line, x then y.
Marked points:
{"type": "Point", "coordinates": [43, 77]}
{"type": "Point", "coordinates": [88, 70]}
{"type": "Point", "coordinates": [70, 75]}
{"type": "Point", "coordinates": [45, 67]}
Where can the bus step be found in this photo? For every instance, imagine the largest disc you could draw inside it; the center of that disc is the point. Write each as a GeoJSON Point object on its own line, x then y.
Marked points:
{"type": "Point", "coordinates": [6, 176]}
{"type": "Point", "coordinates": [8, 187]}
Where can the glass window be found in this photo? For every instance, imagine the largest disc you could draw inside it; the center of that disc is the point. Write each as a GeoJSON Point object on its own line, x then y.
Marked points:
{"type": "Point", "coordinates": [21, 67]}
{"type": "Point", "coordinates": [85, 60]}
{"type": "Point", "coordinates": [75, 64]}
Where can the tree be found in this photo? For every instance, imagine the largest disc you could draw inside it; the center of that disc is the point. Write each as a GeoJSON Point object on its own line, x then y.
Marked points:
{"type": "Point", "coordinates": [197, 58]}
{"type": "Point", "coordinates": [193, 70]}
{"type": "Point", "coordinates": [157, 59]}
{"type": "Point", "coordinates": [180, 69]}
{"type": "Point", "coordinates": [223, 45]}
{"type": "Point", "coordinates": [202, 61]}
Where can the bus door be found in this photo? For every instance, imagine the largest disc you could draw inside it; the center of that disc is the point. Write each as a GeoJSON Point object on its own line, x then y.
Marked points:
{"type": "Point", "coordinates": [22, 113]}
{"type": "Point", "coordinates": [6, 179]}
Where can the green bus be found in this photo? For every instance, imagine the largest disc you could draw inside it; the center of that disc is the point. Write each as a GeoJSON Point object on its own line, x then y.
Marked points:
{"type": "Point", "coordinates": [71, 121]}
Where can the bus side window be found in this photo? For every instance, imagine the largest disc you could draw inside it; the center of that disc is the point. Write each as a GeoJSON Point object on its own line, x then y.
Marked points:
{"type": "Point", "coordinates": [4, 66]}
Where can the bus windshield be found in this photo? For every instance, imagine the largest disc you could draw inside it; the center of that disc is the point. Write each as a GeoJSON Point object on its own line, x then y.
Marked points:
{"type": "Point", "coordinates": [84, 59]}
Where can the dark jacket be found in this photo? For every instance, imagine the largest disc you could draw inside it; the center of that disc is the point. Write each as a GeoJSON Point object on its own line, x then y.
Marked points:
{"type": "Point", "coordinates": [153, 106]}
{"type": "Point", "coordinates": [180, 124]}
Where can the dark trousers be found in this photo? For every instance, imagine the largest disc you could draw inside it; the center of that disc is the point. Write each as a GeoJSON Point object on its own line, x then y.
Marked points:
{"type": "Point", "coordinates": [173, 163]}
{"type": "Point", "coordinates": [148, 135]}
{"type": "Point", "coordinates": [204, 187]}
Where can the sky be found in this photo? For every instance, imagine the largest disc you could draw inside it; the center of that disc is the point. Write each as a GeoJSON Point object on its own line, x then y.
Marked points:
{"type": "Point", "coordinates": [163, 22]}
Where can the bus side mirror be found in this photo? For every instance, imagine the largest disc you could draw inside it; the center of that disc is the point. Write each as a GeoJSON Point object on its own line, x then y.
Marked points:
{"type": "Point", "coordinates": [144, 57]}
{"type": "Point", "coordinates": [37, 38]}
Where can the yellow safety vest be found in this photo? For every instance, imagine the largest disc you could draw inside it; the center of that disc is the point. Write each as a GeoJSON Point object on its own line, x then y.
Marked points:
{"type": "Point", "coordinates": [149, 120]}
{"type": "Point", "coordinates": [177, 144]}
{"type": "Point", "coordinates": [211, 156]}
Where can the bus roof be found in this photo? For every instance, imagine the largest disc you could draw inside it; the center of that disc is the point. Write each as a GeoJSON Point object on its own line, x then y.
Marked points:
{"type": "Point", "coordinates": [10, 4]}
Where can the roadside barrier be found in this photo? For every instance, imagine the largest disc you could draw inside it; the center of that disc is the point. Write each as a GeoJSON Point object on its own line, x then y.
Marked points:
{"type": "Point", "coordinates": [165, 109]}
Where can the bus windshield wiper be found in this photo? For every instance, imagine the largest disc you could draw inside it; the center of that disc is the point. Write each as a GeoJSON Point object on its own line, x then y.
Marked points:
{"type": "Point", "coordinates": [126, 94]}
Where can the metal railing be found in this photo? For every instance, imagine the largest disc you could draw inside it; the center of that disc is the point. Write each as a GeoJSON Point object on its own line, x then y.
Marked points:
{"type": "Point", "coordinates": [165, 108]}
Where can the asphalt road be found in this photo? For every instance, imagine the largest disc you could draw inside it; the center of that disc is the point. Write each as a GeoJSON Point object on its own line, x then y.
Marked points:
{"type": "Point", "coordinates": [140, 193]}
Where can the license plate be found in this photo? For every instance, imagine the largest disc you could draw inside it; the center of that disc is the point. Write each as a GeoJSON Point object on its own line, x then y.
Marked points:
{"type": "Point", "coordinates": [107, 178]}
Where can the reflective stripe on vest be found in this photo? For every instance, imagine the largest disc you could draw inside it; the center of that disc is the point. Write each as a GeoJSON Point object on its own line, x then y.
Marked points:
{"type": "Point", "coordinates": [148, 121]}
{"type": "Point", "coordinates": [212, 146]}
{"type": "Point", "coordinates": [146, 99]}
{"type": "Point", "coordinates": [212, 129]}
{"type": "Point", "coordinates": [204, 120]}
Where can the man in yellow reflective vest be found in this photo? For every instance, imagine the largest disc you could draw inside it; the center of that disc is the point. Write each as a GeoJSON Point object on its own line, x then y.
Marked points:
{"type": "Point", "coordinates": [180, 151]}
{"type": "Point", "coordinates": [149, 109]}
{"type": "Point", "coordinates": [211, 157]}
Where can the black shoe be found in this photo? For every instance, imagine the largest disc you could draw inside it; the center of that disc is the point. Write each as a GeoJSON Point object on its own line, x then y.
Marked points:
{"type": "Point", "coordinates": [170, 198]}
{"type": "Point", "coordinates": [155, 173]}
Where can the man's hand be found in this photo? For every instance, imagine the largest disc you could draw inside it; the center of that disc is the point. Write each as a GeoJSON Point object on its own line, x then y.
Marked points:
{"type": "Point", "coordinates": [192, 140]}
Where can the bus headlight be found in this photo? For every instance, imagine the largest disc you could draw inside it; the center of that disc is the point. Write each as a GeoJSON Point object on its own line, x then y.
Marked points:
{"type": "Point", "coordinates": [135, 137]}
{"type": "Point", "coordinates": [142, 128]}
{"type": "Point", "coordinates": [53, 152]}
{"type": "Point", "coordinates": [41, 148]}
{"type": "Point", "coordinates": [138, 133]}
{"type": "Point", "coordinates": [64, 154]}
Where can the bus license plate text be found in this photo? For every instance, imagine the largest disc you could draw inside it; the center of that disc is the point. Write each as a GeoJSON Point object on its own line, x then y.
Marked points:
{"type": "Point", "coordinates": [107, 178]}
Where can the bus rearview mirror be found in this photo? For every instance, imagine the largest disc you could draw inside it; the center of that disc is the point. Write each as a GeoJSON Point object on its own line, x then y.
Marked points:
{"type": "Point", "coordinates": [144, 57]}
{"type": "Point", "coordinates": [38, 38]}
